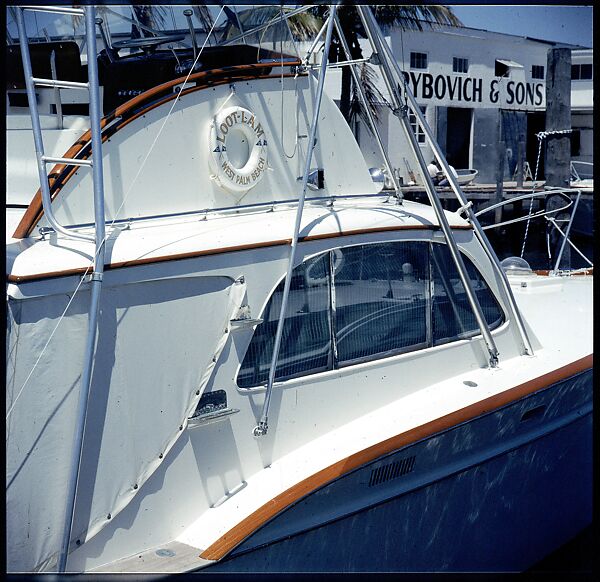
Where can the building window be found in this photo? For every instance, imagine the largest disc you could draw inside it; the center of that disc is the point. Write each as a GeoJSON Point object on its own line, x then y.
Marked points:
{"type": "Point", "coordinates": [366, 302]}
{"type": "Point", "coordinates": [460, 65]}
{"type": "Point", "coordinates": [581, 72]}
{"type": "Point", "coordinates": [416, 126]}
{"type": "Point", "coordinates": [537, 72]}
{"type": "Point", "coordinates": [418, 60]}
{"type": "Point", "coordinates": [501, 69]}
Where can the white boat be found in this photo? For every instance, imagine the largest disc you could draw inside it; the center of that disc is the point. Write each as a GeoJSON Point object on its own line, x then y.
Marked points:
{"type": "Point", "coordinates": [465, 177]}
{"type": "Point", "coordinates": [418, 407]}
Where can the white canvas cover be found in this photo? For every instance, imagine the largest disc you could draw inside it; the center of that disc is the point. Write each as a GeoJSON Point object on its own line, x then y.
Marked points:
{"type": "Point", "coordinates": [158, 343]}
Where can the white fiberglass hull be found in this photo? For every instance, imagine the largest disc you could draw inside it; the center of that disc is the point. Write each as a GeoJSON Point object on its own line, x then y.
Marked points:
{"type": "Point", "coordinates": [497, 493]}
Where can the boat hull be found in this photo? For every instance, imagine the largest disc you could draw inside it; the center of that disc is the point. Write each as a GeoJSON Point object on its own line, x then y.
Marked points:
{"type": "Point", "coordinates": [496, 493]}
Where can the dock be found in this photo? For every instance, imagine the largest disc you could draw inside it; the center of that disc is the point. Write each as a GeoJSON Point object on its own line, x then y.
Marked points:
{"type": "Point", "coordinates": [483, 195]}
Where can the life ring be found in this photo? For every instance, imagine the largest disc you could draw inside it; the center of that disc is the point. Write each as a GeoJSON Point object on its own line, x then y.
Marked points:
{"type": "Point", "coordinates": [237, 130]}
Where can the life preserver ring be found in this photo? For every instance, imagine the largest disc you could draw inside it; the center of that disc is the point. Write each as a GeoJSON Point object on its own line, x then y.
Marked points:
{"type": "Point", "coordinates": [237, 128]}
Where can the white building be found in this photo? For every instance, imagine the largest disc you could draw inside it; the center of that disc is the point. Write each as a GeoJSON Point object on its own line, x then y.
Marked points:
{"type": "Point", "coordinates": [482, 93]}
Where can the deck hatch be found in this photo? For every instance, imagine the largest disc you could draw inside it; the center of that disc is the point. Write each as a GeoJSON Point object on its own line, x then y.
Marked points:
{"type": "Point", "coordinates": [391, 471]}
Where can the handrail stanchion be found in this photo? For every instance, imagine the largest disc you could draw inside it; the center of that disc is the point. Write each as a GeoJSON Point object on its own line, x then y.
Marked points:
{"type": "Point", "coordinates": [567, 231]}
{"type": "Point", "coordinates": [401, 112]}
{"type": "Point", "coordinates": [96, 285]}
{"type": "Point", "coordinates": [262, 427]}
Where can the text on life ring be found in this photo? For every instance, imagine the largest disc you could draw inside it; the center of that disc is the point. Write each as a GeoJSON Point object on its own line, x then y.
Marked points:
{"type": "Point", "coordinates": [238, 149]}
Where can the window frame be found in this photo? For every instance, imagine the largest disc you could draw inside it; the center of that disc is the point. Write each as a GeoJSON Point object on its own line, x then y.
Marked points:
{"type": "Point", "coordinates": [578, 67]}
{"type": "Point", "coordinates": [418, 130]}
{"type": "Point", "coordinates": [462, 60]}
{"type": "Point", "coordinates": [420, 55]}
{"type": "Point", "coordinates": [539, 69]}
{"type": "Point", "coordinates": [333, 363]}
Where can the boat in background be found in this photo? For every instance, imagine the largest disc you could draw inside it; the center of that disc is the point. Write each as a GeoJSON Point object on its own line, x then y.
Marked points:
{"type": "Point", "coordinates": [229, 349]}
{"type": "Point", "coordinates": [465, 177]}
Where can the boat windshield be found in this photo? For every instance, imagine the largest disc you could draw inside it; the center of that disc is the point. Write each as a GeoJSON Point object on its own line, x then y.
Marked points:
{"type": "Point", "coordinates": [259, 26]}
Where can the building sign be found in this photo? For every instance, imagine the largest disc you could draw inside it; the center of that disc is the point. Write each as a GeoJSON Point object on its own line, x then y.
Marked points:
{"type": "Point", "coordinates": [449, 90]}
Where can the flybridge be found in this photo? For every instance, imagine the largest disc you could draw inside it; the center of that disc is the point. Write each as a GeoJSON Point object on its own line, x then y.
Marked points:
{"type": "Point", "coordinates": [466, 89]}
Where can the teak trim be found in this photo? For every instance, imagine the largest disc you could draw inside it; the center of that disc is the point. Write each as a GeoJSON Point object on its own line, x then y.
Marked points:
{"type": "Point", "coordinates": [546, 272]}
{"type": "Point", "coordinates": [258, 518]}
{"type": "Point", "coordinates": [215, 251]}
{"type": "Point", "coordinates": [131, 110]}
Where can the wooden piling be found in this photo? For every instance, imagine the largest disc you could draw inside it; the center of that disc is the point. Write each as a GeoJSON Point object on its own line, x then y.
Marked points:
{"type": "Point", "coordinates": [558, 145]}
{"type": "Point", "coordinates": [501, 157]}
{"type": "Point", "coordinates": [558, 117]}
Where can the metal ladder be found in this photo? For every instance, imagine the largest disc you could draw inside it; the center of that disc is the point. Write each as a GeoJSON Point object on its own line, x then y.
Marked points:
{"type": "Point", "coordinates": [92, 86]}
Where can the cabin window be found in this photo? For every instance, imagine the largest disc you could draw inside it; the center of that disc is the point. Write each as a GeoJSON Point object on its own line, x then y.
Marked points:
{"type": "Point", "coordinates": [537, 72]}
{"type": "Point", "coordinates": [460, 65]}
{"type": "Point", "coordinates": [418, 60]}
{"type": "Point", "coordinates": [453, 317]}
{"type": "Point", "coordinates": [366, 302]}
{"type": "Point", "coordinates": [381, 297]}
{"type": "Point", "coordinates": [581, 72]}
{"type": "Point", "coordinates": [306, 339]}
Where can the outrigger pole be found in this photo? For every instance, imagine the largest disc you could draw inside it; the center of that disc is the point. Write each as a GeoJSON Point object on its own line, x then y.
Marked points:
{"type": "Point", "coordinates": [401, 111]}
{"type": "Point", "coordinates": [263, 426]}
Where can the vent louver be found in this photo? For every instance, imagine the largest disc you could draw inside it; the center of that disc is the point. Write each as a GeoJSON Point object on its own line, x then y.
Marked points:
{"type": "Point", "coordinates": [391, 471]}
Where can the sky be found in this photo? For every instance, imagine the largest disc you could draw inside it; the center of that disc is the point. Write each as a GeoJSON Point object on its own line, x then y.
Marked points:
{"type": "Point", "coordinates": [568, 23]}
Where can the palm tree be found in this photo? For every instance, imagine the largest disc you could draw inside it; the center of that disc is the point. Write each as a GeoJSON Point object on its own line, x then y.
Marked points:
{"type": "Point", "coordinates": [416, 17]}
{"type": "Point", "coordinates": [305, 25]}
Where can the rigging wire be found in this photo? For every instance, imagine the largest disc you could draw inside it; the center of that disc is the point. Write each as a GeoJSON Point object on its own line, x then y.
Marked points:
{"type": "Point", "coordinates": [289, 157]}
{"type": "Point", "coordinates": [542, 135]}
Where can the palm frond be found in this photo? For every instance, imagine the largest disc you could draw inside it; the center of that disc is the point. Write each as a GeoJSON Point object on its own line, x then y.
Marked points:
{"type": "Point", "coordinates": [415, 17]}
{"type": "Point", "coordinates": [150, 15]}
{"type": "Point", "coordinates": [304, 26]}
{"type": "Point", "coordinates": [375, 99]}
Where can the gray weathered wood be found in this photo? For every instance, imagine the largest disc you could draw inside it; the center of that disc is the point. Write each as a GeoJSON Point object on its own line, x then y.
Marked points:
{"type": "Point", "coordinates": [558, 117]}
{"type": "Point", "coordinates": [501, 160]}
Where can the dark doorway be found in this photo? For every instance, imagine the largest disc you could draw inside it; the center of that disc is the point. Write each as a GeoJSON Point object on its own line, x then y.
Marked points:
{"type": "Point", "coordinates": [458, 136]}
{"type": "Point", "coordinates": [536, 122]}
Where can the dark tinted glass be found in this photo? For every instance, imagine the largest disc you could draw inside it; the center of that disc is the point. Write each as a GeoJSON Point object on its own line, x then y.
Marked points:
{"type": "Point", "coordinates": [305, 343]}
{"type": "Point", "coordinates": [381, 295]}
{"type": "Point", "coordinates": [453, 317]}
